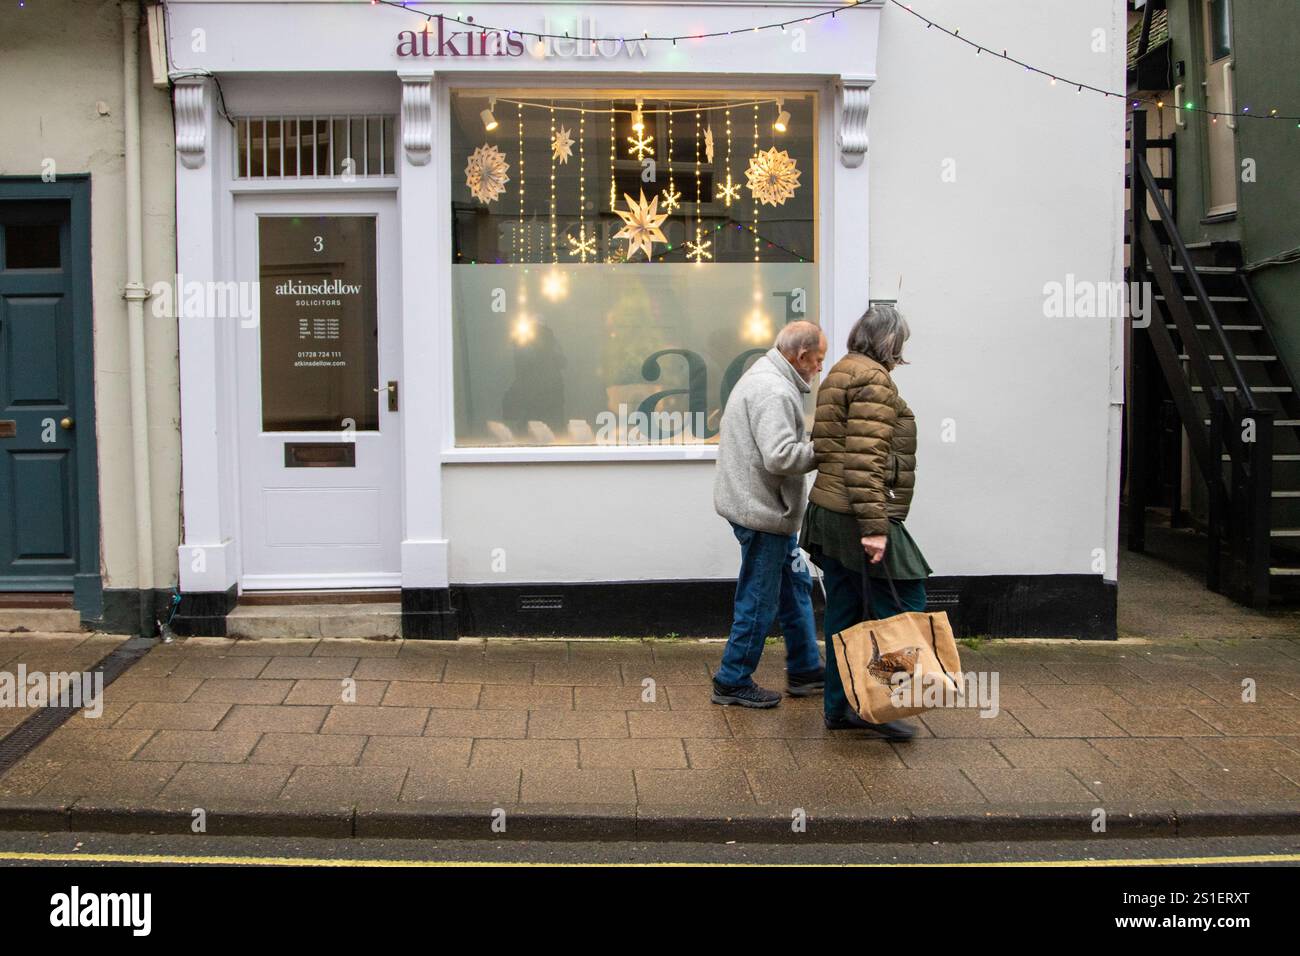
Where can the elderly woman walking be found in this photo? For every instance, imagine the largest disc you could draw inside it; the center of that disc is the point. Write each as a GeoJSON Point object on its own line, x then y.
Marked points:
{"type": "Point", "coordinates": [864, 436]}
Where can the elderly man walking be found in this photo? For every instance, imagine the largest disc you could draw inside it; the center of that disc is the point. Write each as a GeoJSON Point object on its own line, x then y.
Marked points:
{"type": "Point", "coordinates": [763, 454]}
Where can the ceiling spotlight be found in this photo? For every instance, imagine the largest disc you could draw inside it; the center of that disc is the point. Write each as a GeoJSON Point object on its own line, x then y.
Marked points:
{"type": "Point", "coordinates": [489, 121]}
{"type": "Point", "coordinates": [782, 117]}
{"type": "Point", "coordinates": [638, 118]}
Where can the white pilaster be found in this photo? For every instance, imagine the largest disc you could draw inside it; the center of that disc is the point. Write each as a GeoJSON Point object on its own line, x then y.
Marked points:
{"type": "Point", "coordinates": [206, 558]}
{"type": "Point", "coordinates": [424, 385]}
{"type": "Point", "coordinates": [850, 213]}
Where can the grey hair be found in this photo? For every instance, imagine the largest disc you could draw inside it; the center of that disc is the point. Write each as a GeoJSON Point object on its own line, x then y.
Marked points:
{"type": "Point", "coordinates": [798, 337]}
{"type": "Point", "coordinates": [880, 334]}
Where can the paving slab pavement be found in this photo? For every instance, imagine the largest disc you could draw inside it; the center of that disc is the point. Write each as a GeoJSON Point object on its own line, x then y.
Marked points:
{"type": "Point", "coordinates": [586, 739]}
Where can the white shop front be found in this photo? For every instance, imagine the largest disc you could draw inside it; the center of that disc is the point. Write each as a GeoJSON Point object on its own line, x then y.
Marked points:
{"type": "Point", "coordinates": [499, 268]}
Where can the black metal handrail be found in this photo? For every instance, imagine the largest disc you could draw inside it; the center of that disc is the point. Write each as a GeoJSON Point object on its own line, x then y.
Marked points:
{"type": "Point", "coordinates": [1183, 258]}
{"type": "Point", "coordinates": [1239, 506]}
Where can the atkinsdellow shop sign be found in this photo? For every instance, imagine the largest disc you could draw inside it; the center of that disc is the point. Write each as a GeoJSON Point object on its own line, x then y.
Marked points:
{"type": "Point", "coordinates": [446, 39]}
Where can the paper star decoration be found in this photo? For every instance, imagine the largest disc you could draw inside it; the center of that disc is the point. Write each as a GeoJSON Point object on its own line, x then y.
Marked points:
{"type": "Point", "coordinates": [641, 145]}
{"type": "Point", "coordinates": [584, 245]}
{"type": "Point", "coordinates": [708, 143]}
{"type": "Point", "coordinates": [729, 192]}
{"type": "Point", "coordinates": [699, 251]}
{"type": "Point", "coordinates": [562, 146]}
{"type": "Point", "coordinates": [772, 176]}
{"type": "Point", "coordinates": [485, 174]}
{"type": "Point", "coordinates": [641, 225]}
{"type": "Point", "coordinates": [671, 199]}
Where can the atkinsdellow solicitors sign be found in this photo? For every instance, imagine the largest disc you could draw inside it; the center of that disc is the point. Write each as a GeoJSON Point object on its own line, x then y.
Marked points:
{"type": "Point", "coordinates": [448, 39]}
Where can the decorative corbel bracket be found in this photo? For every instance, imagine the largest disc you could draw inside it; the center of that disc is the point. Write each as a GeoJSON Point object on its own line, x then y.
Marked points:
{"type": "Point", "coordinates": [190, 97]}
{"type": "Point", "coordinates": [417, 117]}
{"type": "Point", "coordinates": [851, 136]}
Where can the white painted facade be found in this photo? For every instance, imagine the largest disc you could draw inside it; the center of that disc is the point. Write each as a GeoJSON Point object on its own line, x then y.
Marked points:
{"type": "Point", "coordinates": [958, 185]}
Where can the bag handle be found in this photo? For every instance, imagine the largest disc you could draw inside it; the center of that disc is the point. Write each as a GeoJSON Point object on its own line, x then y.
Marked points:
{"type": "Point", "coordinates": [866, 584]}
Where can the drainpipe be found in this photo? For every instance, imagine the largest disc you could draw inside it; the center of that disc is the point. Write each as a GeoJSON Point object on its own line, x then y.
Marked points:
{"type": "Point", "coordinates": [135, 294]}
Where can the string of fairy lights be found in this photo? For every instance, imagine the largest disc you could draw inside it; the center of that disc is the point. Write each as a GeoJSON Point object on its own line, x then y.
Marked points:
{"type": "Point", "coordinates": [771, 177]}
{"type": "Point", "coordinates": [849, 6]}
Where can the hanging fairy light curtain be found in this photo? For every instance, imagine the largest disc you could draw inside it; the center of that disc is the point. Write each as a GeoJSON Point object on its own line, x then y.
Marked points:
{"type": "Point", "coordinates": [643, 216]}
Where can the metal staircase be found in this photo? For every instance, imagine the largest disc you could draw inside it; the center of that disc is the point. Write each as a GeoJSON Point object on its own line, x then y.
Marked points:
{"type": "Point", "coordinates": [1209, 339]}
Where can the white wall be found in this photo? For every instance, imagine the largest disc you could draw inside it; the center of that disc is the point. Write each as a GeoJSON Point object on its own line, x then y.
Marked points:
{"type": "Point", "coordinates": [1029, 485]}
{"type": "Point", "coordinates": [584, 521]}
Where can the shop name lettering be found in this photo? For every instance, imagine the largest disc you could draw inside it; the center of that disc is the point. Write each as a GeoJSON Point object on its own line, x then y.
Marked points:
{"type": "Point", "coordinates": [667, 425]}
{"type": "Point", "coordinates": [443, 41]}
{"type": "Point", "coordinates": [328, 287]}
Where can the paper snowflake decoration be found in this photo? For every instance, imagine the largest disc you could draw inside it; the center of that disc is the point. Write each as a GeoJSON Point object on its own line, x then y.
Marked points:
{"type": "Point", "coordinates": [640, 146]}
{"type": "Point", "coordinates": [671, 199]}
{"type": "Point", "coordinates": [729, 192]}
{"type": "Point", "coordinates": [772, 176]}
{"type": "Point", "coordinates": [485, 174]}
{"type": "Point", "coordinates": [584, 245]}
{"type": "Point", "coordinates": [699, 251]}
{"type": "Point", "coordinates": [641, 225]}
{"type": "Point", "coordinates": [562, 146]}
{"type": "Point", "coordinates": [708, 143]}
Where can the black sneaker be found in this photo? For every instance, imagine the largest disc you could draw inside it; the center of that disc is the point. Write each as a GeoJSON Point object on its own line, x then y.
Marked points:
{"type": "Point", "coordinates": [807, 684]}
{"type": "Point", "coordinates": [893, 730]}
{"type": "Point", "coordinates": [750, 695]}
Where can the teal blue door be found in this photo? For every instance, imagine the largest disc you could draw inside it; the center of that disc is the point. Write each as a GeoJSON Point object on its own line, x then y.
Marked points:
{"type": "Point", "coordinates": [45, 383]}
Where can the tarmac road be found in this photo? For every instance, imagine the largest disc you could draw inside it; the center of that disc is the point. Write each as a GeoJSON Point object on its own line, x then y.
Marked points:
{"type": "Point", "coordinates": [104, 849]}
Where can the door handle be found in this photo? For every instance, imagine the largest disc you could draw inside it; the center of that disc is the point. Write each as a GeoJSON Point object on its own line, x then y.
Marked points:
{"type": "Point", "coordinates": [67, 424]}
{"type": "Point", "coordinates": [391, 389]}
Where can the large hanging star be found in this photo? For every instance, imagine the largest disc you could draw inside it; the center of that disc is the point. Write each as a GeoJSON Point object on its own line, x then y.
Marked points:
{"type": "Point", "coordinates": [729, 192]}
{"type": "Point", "coordinates": [584, 245]}
{"type": "Point", "coordinates": [672, 199]}
{"type": "Point", "coordinates": [485, 174]}
{"type": "Point", "coordinates": [562, 146]}
{"type": "Point", "coordinates": [708, 143]}
{"type": "Point", "coordinates": [641, 145]}
{"type": "Point", "coordinates": [772, 176]}
{"type": "Point", "coordinates": [641, 225]}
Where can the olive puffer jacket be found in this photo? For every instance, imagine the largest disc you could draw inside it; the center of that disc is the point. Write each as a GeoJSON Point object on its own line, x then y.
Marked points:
{"type": "Point", "coordinates": [865, 440]}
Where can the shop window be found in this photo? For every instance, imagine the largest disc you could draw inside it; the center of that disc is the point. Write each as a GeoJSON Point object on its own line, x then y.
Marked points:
{"type": "Point", "coordinates": [619, 260]}
{"type": "Point", "coordinates": [314, 147]}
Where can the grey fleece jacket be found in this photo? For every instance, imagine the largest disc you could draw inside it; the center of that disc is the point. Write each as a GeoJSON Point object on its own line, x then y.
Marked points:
{"type": "Point", "coordinates": [763, 450]}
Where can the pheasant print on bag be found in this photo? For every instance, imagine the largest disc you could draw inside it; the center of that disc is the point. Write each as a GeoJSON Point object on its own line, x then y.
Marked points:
{"type": "Point", "coordinates": [883, 666]}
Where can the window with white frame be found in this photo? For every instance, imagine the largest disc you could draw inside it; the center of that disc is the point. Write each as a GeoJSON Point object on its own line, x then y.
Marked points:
{"type": "Point", "coordinates": [620, 258]}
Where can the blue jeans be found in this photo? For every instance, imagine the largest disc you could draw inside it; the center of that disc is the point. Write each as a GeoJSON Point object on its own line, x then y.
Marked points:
{"type": "Point", "coordinates": [773, 584]}
{"type": "Point", "coordinates": [844, 609]}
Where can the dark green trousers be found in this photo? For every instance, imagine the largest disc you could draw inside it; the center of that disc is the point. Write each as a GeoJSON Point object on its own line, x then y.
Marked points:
{"type": "Point", "coordinates": [844, 609]}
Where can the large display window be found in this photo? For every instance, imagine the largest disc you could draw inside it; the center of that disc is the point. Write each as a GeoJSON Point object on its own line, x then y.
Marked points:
{"type": "Point", "coordinates": [620, 258]}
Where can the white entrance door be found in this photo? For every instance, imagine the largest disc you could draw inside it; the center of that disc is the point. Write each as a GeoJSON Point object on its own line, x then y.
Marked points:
{"type": "Point", "coordinates": [319, 396]}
